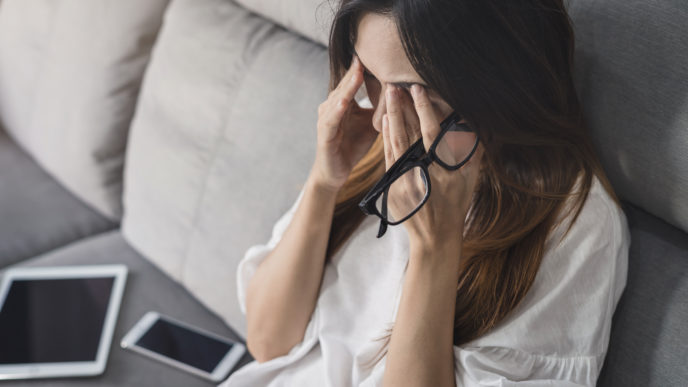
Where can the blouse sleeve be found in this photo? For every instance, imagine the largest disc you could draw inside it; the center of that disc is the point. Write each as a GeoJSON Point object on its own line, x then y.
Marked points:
{"type": "Point", "coordinates": [509, 367]}
{"type": "Point", "coordinates": [245, 271]}
{"type": "Point", "coordinates": [256, 254]}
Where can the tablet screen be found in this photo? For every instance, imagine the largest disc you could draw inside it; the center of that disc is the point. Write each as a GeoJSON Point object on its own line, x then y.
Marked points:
{"type": "Point", "coordinates": [53, 320]}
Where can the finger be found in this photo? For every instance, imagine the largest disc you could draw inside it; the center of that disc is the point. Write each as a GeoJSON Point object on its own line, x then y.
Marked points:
{"type": "Point", "coordinates": [350, 82]}
{"type": "Point", "coordinates": [429, 125]}
{"type": "Point", "coordinates": [410, 118]}
{"type": "Point", "coordinates": [389, 156]}
{"type": "Point", "coordinates": [331, 119]}
{"type": "Point", "coordinates": [397, 132]}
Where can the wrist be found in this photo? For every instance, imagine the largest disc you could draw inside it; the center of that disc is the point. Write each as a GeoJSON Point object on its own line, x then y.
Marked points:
{"type": "Point", "coordinates": [441, 250]}
{"type": "Point", "coordinates": [321, 186]}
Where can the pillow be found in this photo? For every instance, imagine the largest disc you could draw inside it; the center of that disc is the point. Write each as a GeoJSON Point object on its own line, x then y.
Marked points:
{"type": "Point", "coordinates": [70, 72]}
{"type": "Point", "coordinates": [310, 18]}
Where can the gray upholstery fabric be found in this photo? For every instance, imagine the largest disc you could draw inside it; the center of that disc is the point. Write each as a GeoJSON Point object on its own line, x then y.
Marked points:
{"type": "Point", "coordinates": [147, 289]}
{"type": "Point", "coordinates": [633, 81]}
{"type": "Point", "coordinates": [649, 340]}
{"type": "Point", "coordinates": [632, 78]}
{"type": "Point", "coordinates": [36, 213]}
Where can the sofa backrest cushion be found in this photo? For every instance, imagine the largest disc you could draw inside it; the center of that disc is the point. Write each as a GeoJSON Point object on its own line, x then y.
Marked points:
{"type": "Point", "coordinates": [70, 72]}
{"type": "Point", "coordinates": [222, 141]}
{"type": "Point", "coordinates": [632, 77]}
{"type": "Point", "coordinates": [310, 18]}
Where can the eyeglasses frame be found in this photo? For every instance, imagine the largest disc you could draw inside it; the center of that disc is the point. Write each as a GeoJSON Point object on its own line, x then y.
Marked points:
{"type": "Point", "coordinates": [415, 156]}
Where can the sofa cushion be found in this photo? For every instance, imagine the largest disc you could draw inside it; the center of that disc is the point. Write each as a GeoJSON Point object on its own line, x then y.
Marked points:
{"type": "Point", "coordinates": [633, 81]}
{"type": "Point", "coordinates": [147, 289]}
{"type": "Point", "coordinates": [69, 77]}
{"type": "Point", "coordinates": [36, 213]}
{"type": "Point", "coordinates": [649, 339]}
{"type": "Point", "coordinates": [310, 18]}
{"type": "Point", "coordinates": [222, 141]}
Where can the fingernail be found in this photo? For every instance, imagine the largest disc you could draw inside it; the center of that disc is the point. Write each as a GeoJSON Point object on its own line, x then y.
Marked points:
{"type": "Point", "coordinates": [415, 89]}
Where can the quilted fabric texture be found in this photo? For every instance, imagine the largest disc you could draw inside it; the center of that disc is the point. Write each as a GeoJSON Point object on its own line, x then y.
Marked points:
{"type": "Point", "coordinates": [223, 138]}
{"type": "Point", "coordinates": [70, 73]}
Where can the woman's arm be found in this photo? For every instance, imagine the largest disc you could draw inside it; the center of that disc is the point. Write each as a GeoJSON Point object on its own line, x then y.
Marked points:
{"type": "Point", "coordinates": [281, 295]}
{"type": "Point", "coordinates": [421, 350]}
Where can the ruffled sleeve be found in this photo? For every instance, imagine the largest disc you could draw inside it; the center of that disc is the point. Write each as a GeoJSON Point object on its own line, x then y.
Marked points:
{"type": "Point", "coordinates": [245, 271]}
{"type": "Point", "coordinates": [509, 367]}
{"type": "Point", "coordinates": [256, 254]}
{"type": "Point", "coordinates": [254, 373]}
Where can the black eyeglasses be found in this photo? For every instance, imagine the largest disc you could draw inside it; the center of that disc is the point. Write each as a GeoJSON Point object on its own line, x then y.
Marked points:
{"type": "Point", "coordinates": [407, 182]}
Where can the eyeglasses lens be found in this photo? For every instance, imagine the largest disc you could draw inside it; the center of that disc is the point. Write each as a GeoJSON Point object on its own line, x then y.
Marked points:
{"type": "Point", "coordinates": [456, 145]}
{"type": "Point", "coordinates": [404, 195]}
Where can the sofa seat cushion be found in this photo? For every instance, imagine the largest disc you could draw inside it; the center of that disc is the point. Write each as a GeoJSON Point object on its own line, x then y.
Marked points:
{"type": "Point", "coordinates": [36, 213]}
{"type": "Point", "coordinates": [147, 289]}
{"type": "Point", "coordinates": [649, 339]}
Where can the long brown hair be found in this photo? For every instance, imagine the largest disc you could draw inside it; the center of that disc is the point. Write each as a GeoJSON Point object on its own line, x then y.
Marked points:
{"type": "Point", "coordinates": [506, 67]}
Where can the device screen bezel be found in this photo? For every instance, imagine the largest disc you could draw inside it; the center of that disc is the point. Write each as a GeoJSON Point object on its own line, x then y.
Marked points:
{"type": "Point", "coordinates": [67, 369]}
{"type": "Point", "coordinates": [223, 367]}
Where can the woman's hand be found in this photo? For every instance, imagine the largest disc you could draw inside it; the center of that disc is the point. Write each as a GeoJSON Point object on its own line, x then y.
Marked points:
{"type": "Point", "coordinates": [440, 222]}
{"type": "Point", "coordinates": [345, 131]}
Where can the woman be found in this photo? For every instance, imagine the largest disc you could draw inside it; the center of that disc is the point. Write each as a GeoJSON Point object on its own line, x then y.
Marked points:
{"type": "Point", "coordinates": [507, 275]}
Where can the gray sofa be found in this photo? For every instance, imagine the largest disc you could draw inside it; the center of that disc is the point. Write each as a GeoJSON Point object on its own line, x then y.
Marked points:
{"type": "Point", "coordinates": [174, 143]}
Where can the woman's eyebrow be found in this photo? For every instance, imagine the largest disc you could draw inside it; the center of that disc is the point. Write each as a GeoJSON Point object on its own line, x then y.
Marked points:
{"type": "Point", "coordinates": [403, 84]}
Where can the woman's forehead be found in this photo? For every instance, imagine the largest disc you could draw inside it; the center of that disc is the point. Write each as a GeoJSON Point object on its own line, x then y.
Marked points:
{"type": "Point", "coordinates": [380, 50]}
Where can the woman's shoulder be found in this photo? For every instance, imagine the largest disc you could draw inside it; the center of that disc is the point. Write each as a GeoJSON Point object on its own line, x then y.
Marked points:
{"type": "Point", "coordinates": [600, 218]}
{"type": "Point", "coordinates": [567, 311]}
{"type": "Point", "coordinates": [601, 205]}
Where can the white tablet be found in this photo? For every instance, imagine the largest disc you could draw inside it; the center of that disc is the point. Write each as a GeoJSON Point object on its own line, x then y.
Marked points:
{"type": "Point", "coordinates": [58, 321]}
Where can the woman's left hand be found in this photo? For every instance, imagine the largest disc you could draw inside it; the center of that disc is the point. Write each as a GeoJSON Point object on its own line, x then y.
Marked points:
{"type": "Point", "coordinates": [440, 222]}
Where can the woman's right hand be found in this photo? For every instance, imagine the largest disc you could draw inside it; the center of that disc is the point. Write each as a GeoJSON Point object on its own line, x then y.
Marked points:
{"type": "Point", "coordinates": [345, 131]}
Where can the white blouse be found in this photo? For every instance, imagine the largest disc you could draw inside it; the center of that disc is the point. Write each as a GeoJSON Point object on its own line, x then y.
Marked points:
{"type": "Point", "coordinates": [557, 336]}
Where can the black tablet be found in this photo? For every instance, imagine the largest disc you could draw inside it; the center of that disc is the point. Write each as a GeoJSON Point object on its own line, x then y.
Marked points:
{"type": "Point", "coordinates": [58, 321]}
